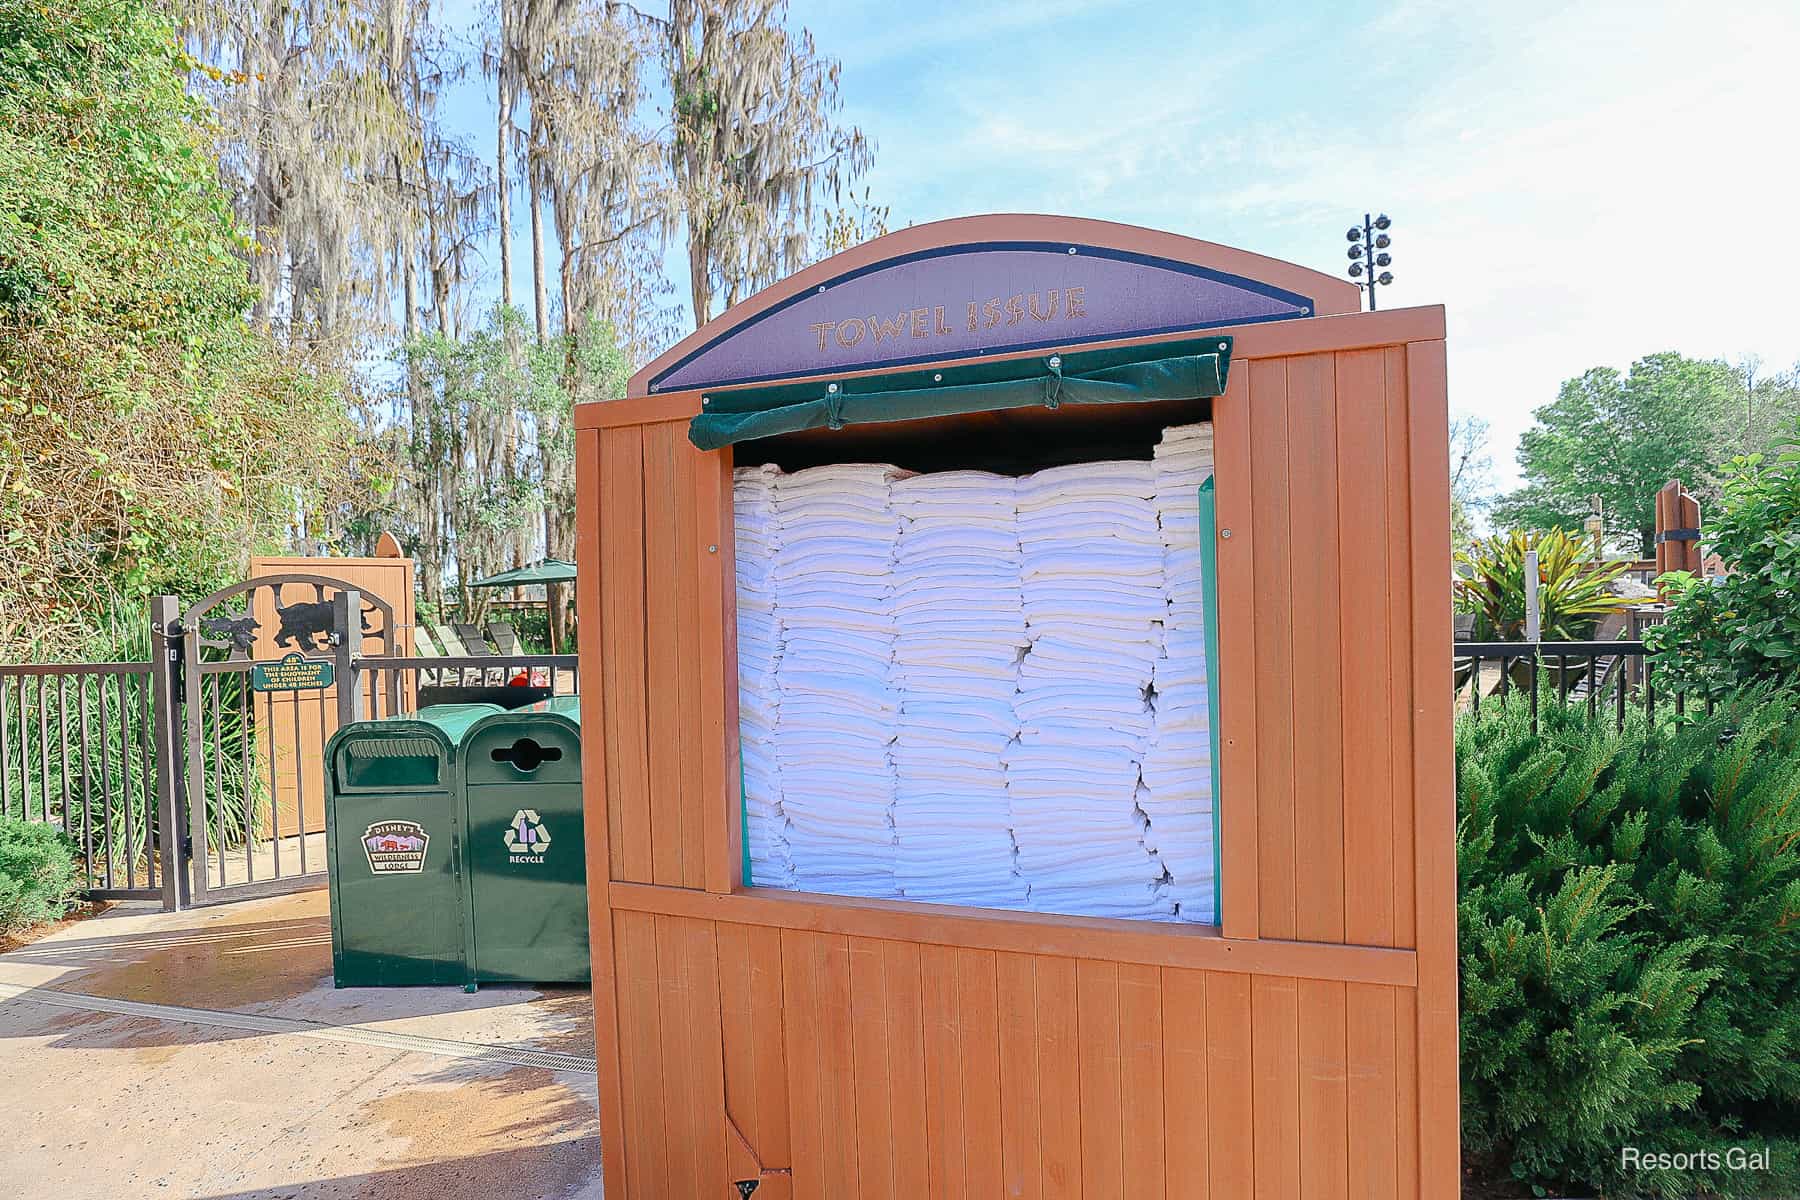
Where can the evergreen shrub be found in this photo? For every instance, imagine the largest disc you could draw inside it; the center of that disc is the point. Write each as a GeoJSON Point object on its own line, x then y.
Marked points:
{"type": "Point", "coordinates": [1629, 928]}
{"type": "Point", "coordinates": [37, 875]}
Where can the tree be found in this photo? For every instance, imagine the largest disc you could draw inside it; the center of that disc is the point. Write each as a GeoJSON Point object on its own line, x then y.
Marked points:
{"type": "Point", "coordinates": [464, 499]}
{"type": "Point", "coordinates": [600, 164]}
{"type": "Point", "coordinates": [459, 502]}
{"type": "Point", "coordinates": [1471, 479]}
{"type": "Point", "coordinates": [150, 439]}
{"type": "Point", "coordinates": [318, 108]}
{"type": "Point", "coordinates": [1621, 437]}
{"type": "Point", "coordinates": [1744, 626]}
{"type": "Point", "coordinates": [850, 222]}
{"type": "Point", "coordinates": [755, 142]}
{"type": "Point", "coordinates": [1765, 410]}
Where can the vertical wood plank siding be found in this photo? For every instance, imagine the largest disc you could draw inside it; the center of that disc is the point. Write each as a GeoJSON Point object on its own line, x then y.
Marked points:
{"type": "Point", "coordinates": [837, 1050]}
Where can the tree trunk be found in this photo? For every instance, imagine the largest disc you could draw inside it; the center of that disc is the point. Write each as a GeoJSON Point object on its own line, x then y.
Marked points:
{"type": "Point", "coordinates": [502, 163]}
{"type": "Point", "coordinates": [540, 285]}
{"type": "Point", "coordinates": [699, 277]}
{"type": "Point", "coordinates": [503, 202]}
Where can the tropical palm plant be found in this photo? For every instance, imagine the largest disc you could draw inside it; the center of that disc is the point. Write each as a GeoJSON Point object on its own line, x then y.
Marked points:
{"type": "Point", "coordinates": [1574, 590]}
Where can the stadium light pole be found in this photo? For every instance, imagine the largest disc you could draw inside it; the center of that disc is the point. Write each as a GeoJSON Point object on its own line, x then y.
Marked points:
{"type": "Point", "coordinates": [1368, 254]}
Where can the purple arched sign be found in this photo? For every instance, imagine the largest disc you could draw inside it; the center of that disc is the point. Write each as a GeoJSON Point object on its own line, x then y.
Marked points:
{"type": "Point", "coordinates": [980, 298]}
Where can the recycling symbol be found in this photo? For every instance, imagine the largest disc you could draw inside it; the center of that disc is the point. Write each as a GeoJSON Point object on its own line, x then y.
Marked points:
{"type": "Point", "coordinates": [526, 834]}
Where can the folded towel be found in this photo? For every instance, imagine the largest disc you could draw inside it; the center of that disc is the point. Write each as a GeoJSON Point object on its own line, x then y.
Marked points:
{"type": "Point", "coordinates": [964, 688]}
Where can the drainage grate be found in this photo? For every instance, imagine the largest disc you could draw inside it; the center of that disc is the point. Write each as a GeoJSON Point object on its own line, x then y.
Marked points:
{"type": "Point", "coordinates": [361, 1035]}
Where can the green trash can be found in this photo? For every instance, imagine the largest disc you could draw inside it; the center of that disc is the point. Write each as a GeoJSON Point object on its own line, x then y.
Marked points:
{"type": "Point", "coordinates": [393, 818]}
{"type": "Point", "coordinates": [526, 853]}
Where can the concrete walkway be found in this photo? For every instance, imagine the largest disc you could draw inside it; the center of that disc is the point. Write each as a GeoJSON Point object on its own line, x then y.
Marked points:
{"type": "Point", "coordinates": [207, 1056]}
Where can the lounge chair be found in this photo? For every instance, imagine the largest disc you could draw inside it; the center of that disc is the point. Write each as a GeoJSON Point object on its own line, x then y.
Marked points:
{"type": "Point", "coordinates": [454, 648]}
{"type": "Point", "coordinates": [475, 645]}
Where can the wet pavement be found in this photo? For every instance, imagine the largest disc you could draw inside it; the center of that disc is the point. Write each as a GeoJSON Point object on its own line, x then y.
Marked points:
{"type": "Point", "coordinates": [292, 1089]}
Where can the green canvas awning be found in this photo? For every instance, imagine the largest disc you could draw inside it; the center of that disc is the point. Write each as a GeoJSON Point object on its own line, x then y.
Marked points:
{"type": "Point", "coordinates": [1189, 369]}
{"type": "Point", "coordinates": [550, 570]}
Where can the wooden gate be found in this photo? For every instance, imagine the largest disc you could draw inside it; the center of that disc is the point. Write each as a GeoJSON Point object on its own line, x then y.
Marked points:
{"type": "Point", "coordinates": [244, 760]}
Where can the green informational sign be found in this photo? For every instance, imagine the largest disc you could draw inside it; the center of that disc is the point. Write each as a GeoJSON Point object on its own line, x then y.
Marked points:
{"type": "Point", "coordinates": [292, 673]}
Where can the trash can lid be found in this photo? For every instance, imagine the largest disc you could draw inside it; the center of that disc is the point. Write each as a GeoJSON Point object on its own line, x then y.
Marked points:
{"type": "Point", "coordinates": [563, 711]}
{"type": "Point", "coordinates": [447, 723]}
{"type": "Point", "coordinates": [505, 747]}
{"type": "Point", "coordinates": [453, 721]}
{"type": "Point", "coordinates": [562, 706]}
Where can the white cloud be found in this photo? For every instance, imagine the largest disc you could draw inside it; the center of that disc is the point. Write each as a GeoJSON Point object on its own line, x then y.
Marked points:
{"type": "Point", "coordinates": [1578, 185]}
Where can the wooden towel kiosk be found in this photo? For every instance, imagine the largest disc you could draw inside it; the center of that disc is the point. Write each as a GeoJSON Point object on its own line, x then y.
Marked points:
{"type": "Point", "coordinates": [833, 1048]}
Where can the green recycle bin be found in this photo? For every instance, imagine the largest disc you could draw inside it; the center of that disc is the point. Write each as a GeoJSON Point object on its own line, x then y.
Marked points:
{"type": "Point", "coordinates": [525, 857]}
{"type": "Point", "coordinates": [393, 818]}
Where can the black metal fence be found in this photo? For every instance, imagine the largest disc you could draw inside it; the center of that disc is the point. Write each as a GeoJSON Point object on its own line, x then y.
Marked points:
{"type": "Point", "coordinates": [399, 685]}
{"type": "Point", "coordinates": [79, 745]}
{"type": "Point", "coordinates": [78, 751]}
{"type": "Point", "coordinates": [1610, 678]}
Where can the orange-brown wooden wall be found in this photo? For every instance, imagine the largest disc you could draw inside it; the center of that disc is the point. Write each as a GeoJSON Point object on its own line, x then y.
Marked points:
{"type": "Point", "coordinates": [847, 1048]}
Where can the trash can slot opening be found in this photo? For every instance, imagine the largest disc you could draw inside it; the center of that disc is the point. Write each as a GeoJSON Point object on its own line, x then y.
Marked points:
{"type": "Point", "coordinates": [390, 762]}
{"type": "Point", "coordinates": [526, 754]}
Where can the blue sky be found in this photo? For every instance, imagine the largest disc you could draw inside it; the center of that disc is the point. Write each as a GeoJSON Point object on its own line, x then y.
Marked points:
{"type": "Point", "coordinates": [1577, 184]}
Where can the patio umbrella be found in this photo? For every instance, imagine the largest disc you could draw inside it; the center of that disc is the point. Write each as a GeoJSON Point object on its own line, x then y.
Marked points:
{"type": "Point", "coordinates": [548, 571]}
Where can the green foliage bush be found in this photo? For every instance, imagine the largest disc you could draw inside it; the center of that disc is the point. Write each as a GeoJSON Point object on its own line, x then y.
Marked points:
{"type": "Point", "coordinates": [1630, 942]}
{"type": "Point", "coordinates": [1744, 627]}
{"type": "Point", "coordinates": [37, 875]}
{"type": "Point", "coordinates": [150, 438]}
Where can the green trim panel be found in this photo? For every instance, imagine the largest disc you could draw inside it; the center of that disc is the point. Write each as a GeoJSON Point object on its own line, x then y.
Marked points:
{"type": "Point", "coordinates": [1209, 614]}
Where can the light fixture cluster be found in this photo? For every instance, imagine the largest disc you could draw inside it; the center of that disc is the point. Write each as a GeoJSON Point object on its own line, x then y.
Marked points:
{"type": "Point", "coordinates": [1368, 253]}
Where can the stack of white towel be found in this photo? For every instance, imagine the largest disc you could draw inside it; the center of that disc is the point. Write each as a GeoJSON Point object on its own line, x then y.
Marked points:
{"type": "Point", "coordinates": [1093, 599]}
{"type": "Point", "coordinates": [838, 708]}
{"type": "Point", "coordinates": [1177, 771]}
{"type": "Point", "coordinates": [969, 689]}
{"type": "Point", "coordinates": [959, 630]}
{"type": "Point", "coordinates": [758, 537]}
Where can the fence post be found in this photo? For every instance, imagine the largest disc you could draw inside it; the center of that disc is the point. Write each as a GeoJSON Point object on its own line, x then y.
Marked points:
{"type": "Point", "coordinates": [346, 638]}
{"type": "Point", "coordinates": [1533, 614]}
{"type": "Point", "coordinates": [165, 660]}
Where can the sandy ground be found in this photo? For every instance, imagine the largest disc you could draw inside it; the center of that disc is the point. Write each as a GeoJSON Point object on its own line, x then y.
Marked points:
{"type": "Point", "coordinates": [97, 1104]}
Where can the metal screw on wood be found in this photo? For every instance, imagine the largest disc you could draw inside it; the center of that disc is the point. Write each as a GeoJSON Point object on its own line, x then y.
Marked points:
{"type": "Point", "coordinates": [712, 549]}
{"type": "Point", "coordinates": [1224, 533]}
